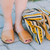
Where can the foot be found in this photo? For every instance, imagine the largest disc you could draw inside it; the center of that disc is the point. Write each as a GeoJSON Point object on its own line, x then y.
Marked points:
{"type": "Point", "coordinates": [19, 28]}
{"type": "Point", "coordinates": [7, 26]}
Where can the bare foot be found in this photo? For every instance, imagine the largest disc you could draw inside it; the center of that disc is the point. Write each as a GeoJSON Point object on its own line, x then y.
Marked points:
{"type": "Point", "coordinates": [19, 28]}
{"type": "Point", "coordinates": [8, 26]}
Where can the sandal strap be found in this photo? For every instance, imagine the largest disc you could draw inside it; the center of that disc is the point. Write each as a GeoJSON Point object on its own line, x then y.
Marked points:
{"type": "Point", "coordinates": [7, 34]}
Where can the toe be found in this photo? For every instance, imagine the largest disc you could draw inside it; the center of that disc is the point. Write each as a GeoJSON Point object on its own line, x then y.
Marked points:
{"type": "Point", "coordinates": [27, 41]}
{"type": "Point", "coordinates": [9, 40]}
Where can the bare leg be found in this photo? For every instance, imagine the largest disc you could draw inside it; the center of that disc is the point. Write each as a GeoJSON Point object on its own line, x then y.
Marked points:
{"type": "Point", "coordinates": [20, 6]}
{"type": "Point", "coordinates": [7, 9]}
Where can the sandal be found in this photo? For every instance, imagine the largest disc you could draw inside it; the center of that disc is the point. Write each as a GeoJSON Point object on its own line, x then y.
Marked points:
{"type": "Point", "coordinates": [7, 35]}
{"type": "Point", "coordinates": [24, 36]}
{"type": "Point", "coordinates": [31, 19]}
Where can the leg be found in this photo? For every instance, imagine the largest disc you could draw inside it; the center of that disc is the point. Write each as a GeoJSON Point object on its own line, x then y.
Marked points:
{"type": "Point", "coordinates": [20, 6]}
{"type": "Point", "coordinates": [7, 9]}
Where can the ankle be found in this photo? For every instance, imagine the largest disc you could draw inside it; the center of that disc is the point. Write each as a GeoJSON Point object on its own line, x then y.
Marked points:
{"type": "Point", "coordinates": [8, 19]}
{"type": "Point", "coordinates": [8, 26]}
{"type": "Point", "coordinates": [18, 28]}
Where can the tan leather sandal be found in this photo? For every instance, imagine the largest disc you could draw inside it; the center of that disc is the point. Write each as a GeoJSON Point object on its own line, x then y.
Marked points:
{"type": "Point", "coordinates": [24, 36]}
{"type": "Point", "coordinates": [8, 35]}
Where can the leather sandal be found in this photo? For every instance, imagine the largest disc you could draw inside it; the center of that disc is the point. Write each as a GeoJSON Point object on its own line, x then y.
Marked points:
{"type": "Point", "coordinates": [8, 35]}
{"type": "Point", "coordinates": [24, 36]}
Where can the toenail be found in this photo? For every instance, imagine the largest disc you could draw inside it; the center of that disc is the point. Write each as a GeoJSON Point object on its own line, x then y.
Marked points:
{"type": "Point", "coordinates": [10, 40]}
{"type": "Point", "coordinates": [7, 40]}
{"type": "Point", "coordinates": [30, 39]}
{"type": "Point", "coordinates": [25, 40]}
